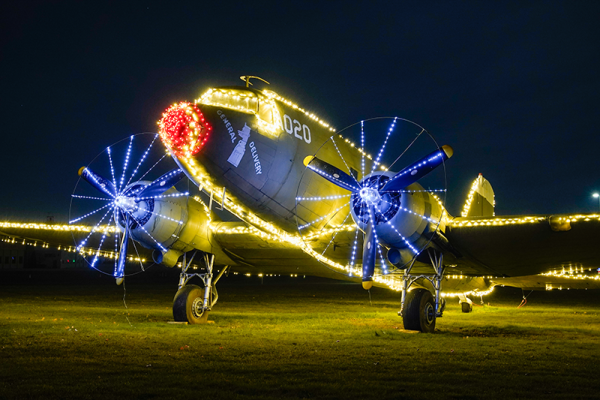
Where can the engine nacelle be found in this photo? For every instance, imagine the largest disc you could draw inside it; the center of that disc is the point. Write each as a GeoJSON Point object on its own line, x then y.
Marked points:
{"type": "Point", "coordinates": [156, 221]}
{"type": "Point", "coordinates": [404, 220]}
{"type": "Point", "coordinates": [172, 221]}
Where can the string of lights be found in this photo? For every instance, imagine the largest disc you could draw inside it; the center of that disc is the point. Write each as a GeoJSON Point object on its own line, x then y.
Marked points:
{"type": "Point", "coordinates": [339, 196]}
{"type": "Point", "coordinates": [344, 160]}
{"type": "Point", "coordinates": [382, 149]}
{"type": "Point", "coordinates": [112, 168]}
{"type": "Point", "coordinates": [126, 163]}
{"type": "Point", "coordinates": [142, 159]}
{"type": "Point", "coordinates": [91, 213]}
{"type": "Point", "coordinates": [324, 216]}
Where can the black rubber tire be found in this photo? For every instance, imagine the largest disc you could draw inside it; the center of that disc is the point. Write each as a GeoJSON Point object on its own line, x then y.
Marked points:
{"type": "Point", "coordinates": [419, 311]}
{"type": "Point", "coordinates": [466, 307]}
{"type": "Point", "coordinates": [183, 304]}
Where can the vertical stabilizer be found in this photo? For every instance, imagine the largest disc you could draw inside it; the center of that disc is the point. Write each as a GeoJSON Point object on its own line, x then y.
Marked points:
{"type": "Point", "coordinates": [480, 201]}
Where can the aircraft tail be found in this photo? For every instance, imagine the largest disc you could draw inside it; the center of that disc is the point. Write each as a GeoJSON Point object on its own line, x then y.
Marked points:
{"type": "Point", "coordinates": [480, 201]}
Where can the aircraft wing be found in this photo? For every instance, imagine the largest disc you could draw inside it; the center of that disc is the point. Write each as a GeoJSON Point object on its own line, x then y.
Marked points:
{"type": "Point", "coordinates": [41, 234]}
{"type": "Point", "coordinates": [62, 237]}
{"type": "Point", "coordinates": [517, 246]}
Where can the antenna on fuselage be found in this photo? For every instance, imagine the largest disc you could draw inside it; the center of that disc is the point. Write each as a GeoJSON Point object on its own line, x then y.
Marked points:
{"type": "Point", "coordinates": [247, 80]}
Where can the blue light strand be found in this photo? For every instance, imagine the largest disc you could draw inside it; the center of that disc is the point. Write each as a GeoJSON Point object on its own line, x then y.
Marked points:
{"type": "Point", "coordinates": [136, 208]}
{"type": "Point", "coordinates": [416, 191]}
{"type": "Point", "coordinates": [412, 212]}
{"type": "Point", "coordinates": [152, 167]}
{"type": "Point", "coordinates": [323, 217]}
{"type": "Point", "coordinates": [418, 215]}
{"type": "Point", "coordinates": [112, 169]}
{"type": "Point", "coordinates": [344, 160]}
{"type": "Point", "coordinates": [91, 197]}
{"type": "Point", "coordinates": [91, 213]}
{"type": "Point", "coordinates": [161, 196]}
{"type": "Point", "coordinates": [144, 229]}
{"type": "Point", "coordinates": [95, 260]}
{"type": "Point", "coordinates": [84, 241]}
{"type": "Point", "coordinates": [141, 160]}
{"type": "Point", "coordinates": [155, 183]}
{"type": "Point", "coordinates": [339, 196]}
{"type": "Point", "coordinates": [362, 145]}
{"type": "Point", "coordinates": [126, 162]}
{"type": "Point", "coordinates": [410, 246]}
{"type": "Point", "coordinates": [382, 149]}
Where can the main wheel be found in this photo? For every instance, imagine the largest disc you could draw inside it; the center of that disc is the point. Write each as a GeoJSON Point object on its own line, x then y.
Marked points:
{"type": "Point", "coordinates": [466, 307]}
{"type": "Point", "coordinates": [187, 305]}
{"type": "Point", "coordinates": [419, 311]}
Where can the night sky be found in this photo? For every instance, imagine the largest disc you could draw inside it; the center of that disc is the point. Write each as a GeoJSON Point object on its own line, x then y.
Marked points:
{"type": "Point", "coordinates": [514, 89]}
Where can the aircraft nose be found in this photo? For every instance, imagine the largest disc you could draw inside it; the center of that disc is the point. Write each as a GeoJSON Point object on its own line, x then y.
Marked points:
{"type": "Point", "coordinates": [183, 129]}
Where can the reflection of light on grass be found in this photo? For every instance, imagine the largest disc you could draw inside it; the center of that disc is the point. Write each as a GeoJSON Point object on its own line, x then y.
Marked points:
{"type": "Point", "coordinates": [316, 337]}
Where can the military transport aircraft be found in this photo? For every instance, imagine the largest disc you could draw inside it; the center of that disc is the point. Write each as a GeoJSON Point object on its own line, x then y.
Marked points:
{"type": "Point", "coordinates": [305, 199]}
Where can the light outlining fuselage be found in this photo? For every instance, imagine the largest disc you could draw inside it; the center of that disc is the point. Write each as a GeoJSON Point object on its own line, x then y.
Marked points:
{"type": "Point", "coordinates": [253, 162]}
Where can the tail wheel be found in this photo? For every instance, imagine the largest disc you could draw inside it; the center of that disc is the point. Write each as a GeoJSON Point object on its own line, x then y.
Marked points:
{"type": "Point", "coordinates": [419, 311]}
{"type": "Point", "coordinates": [187, 305]}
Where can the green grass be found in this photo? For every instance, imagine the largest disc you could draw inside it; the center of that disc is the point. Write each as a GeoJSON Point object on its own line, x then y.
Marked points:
{"type": "Point", "coordinates": [292, 339]}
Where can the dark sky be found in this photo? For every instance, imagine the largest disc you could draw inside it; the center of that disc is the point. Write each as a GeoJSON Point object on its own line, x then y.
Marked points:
{"type": "Point", "coordinates": [513, 88]}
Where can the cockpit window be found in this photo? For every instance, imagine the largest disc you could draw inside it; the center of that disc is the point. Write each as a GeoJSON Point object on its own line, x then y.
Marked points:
{"type": "Point", "coordinates": [245, 101]}
{"type": "Point", "coordinates": [267, 110]}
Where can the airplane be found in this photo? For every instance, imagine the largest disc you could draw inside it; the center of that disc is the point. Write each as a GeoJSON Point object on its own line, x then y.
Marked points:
{"type": "Point", "coordinates": [280, 191]}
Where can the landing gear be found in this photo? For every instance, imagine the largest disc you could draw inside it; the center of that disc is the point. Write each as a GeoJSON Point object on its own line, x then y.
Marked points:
{"type": "Point", "coordinates": [193, 303]}
{"type": "Point", "coordinates": [188, 305]}
{"type": "Point", "coordinates": [419, 311]}
{"type": "Point", "coordinates": [420, 308]}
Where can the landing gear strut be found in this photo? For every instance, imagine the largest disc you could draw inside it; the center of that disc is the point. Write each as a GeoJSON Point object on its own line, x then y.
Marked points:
{"type": "Point", "coordinates": [420, 308]}
{"type": "Point", "coordinates": [192, 303]}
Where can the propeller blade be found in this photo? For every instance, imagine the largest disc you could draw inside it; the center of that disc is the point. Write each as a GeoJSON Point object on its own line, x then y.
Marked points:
{"type": "Point", "coordinates": [332, 174]}
{"type": "Point", "coordinates": [418, 169]}
{"type": "Point", "coordinates": [162, 184]}
{"type": "Point", "coordinates": [98, 182]}
{"type": "Point", "coordinates": [120, 272]}
{"type": "Point", "coordinates": [369, 253]}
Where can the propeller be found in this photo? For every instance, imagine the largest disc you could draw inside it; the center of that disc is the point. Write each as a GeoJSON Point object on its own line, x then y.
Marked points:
{"type": "Point", "coordinates": [418, 169]}
{"type": "Point", "coordinates": [371, 195]}
{"type": "Point", "coordinates": [331, 173]}
{"type": "Point", "coordinates": [103, 185]}
{"type": "Point", "coordinates": [126, 202]}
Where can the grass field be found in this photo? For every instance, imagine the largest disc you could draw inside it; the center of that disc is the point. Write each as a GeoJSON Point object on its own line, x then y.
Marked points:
{"type": "Point", "coordinates": [70, 336]}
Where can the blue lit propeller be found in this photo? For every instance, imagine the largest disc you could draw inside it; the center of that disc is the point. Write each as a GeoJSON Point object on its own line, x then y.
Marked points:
{"type": "Point", "coordinates": [371, 196]}
{"type": "Point", "coordinates": [131, 204]}
{"type": "Point", "coordinates": [374, 197]}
